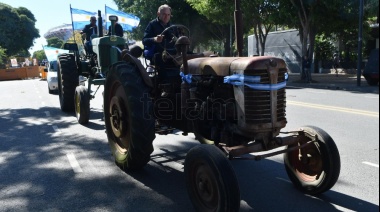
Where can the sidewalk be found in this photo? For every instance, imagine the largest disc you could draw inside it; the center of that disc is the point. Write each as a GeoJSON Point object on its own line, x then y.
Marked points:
{"type": "Point", "coordinates": [347, 82]}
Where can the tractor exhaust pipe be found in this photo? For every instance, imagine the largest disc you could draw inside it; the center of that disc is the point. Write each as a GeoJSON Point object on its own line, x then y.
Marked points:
{"type": "Point", "coordinates": [239, 28]}
{"type": "Point", "coordinates": [100, 24]}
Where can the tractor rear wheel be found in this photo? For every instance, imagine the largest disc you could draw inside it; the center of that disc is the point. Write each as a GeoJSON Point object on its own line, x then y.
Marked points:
{"type": "Point", "coordinates": [128, 112]}
{"type": "Point", "coordinates": [67, 81]}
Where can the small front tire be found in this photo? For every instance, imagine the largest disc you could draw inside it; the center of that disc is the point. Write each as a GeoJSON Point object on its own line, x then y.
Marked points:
{"type": "Point", "coordinates": [210, 180]}
{"type": "Point", "coordinates": [82, 105]}
{"type": "Point", "coordinates": [315, 168]}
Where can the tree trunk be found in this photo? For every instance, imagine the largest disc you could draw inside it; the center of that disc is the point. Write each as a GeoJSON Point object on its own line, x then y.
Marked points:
{"type": "Point", "coordinates": [257, 39]}
{"type": "Point", "coordinates": [312, 35]}
{"type": "Point", "coordinates": [305, 23]}
{"type": "Point", "coordinates": [227, 42]}
{"type": "Point", "coordinates": [264, 36]}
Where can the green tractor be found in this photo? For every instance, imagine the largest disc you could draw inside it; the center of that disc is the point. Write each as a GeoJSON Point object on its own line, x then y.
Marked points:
{"type": "Point", "coordinates": [235, 106]}
{"type": "Point", "coordinates": [94, 65]}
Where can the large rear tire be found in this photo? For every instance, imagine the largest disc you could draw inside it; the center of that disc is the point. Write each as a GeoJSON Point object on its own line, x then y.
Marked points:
{"type": "Point", "coordinates": [315, 168]}
{"type": "Point", "coordinates": [82, 105]}
{"type": "Point", "coordinates": [128, 112]}
{"type": "Point", "coordinates": [371, 81]}
{"type": "Point", "coordinates": [210, 180]}
{"type": "Point", "coordinates": [67, 81]}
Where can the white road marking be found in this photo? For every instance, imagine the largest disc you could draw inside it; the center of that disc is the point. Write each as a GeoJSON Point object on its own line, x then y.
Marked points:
{"type": "Point", "coordinates": [340, 208]}
{"type": "Point", "coordinates": [372, 97]}
{"type": "Point", "coordinates": [318, 92]}
{"type": "Point", "coordinates": [56, 129]}
{"type": "Point", "coordinates": [282, 179]}
{"type": "Point", "coordinates": [74, 163]}
{"type": "Point", "coordinates": [43, 103]}
{"type": "Point", "coordinates": [371, 164]}
{"type": "Point", "coordinates": [40, 97]}
{"type": "Point", "coordinates": [47, 113]}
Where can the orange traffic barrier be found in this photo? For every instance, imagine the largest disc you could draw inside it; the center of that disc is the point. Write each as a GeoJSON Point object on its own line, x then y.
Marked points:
{"type": "Point", "coordinates": [32, 71]}
{"type": "Point", "coordinates": [19, 73]}
{"type": "Point", "coordinates": [43, 74]}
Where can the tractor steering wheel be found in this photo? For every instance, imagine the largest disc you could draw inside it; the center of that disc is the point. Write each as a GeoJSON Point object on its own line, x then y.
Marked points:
{"type": "Point", "coordinates": [181, 30]}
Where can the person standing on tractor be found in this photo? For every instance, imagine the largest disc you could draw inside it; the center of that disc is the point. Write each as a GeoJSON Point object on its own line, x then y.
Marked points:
{"type": "Point", "coordinates": [118, 29]}
{"type": "Point", "coordinates": [88, 30]}
{"type": "Point", "coordinates": [153, 41]}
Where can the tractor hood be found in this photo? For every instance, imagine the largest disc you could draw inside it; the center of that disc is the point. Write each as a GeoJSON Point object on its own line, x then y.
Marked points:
{"type": "Point", "coordinates": [226, 66]}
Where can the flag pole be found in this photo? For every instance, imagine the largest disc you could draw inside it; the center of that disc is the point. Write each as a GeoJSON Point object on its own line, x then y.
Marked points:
{"type": "Point", "coordinates": [105, 17]}
{"type": "Point", "coordinates": [72, 23]}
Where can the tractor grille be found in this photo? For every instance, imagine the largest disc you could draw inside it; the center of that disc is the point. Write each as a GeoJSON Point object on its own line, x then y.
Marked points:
{"type": "Point", "coordinates": [258, 103]}
{"type": "Point", "coordinates": [104, 55]}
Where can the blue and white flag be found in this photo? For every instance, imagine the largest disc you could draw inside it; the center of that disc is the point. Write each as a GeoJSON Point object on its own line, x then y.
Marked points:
{"type": "Point", "coordinates": [127, 21]}
{"type": "Point", "coordinates": [52, 53]}
{"type": "Point", "coordinates": [81, 18]}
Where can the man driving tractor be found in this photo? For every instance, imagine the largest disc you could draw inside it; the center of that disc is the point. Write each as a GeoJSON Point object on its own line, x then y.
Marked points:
{"type": "Point", "coordinates": [153, 41]}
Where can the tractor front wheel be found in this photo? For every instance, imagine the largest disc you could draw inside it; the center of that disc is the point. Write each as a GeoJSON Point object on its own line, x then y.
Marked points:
{"type": "Point", "coordinates": [210, 180]}
{"type": "Point", "coordinates": [82, 105]}
{"type": "Point", "coordinates": [315, 168]}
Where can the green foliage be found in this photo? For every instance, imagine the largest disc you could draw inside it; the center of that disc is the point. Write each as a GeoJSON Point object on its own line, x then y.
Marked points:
{"type": "Point", "coordinates": [217, 11]}
{"type": "Point", "coordinates": [22, 53]}
{"type": "Point", "coordinates": [371, 8]}
{"type": "Point", "coordinates": [39, 55]}
{"type": "Point", "coordinates": [55, 42]}
{"type": "Point", "coordinates": [3, 58]}
{"type": "Point", "coordinates": [182, 13]}
{"type": "Point", "coordinates": [209, 20]}
{"type": "Point", "coordinates": [324, 48]}
{"type": "Point", "coordinates": [26, 12]}
{"type": "Point", "coordinates": [17, 29]}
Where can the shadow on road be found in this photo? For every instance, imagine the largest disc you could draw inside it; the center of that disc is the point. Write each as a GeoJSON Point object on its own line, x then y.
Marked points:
{"type": "Point", "coordinates": [36, 174]}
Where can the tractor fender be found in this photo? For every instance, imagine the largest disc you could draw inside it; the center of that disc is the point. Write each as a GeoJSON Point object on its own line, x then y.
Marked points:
{"type": "Point", "coordinates": [129, 58]}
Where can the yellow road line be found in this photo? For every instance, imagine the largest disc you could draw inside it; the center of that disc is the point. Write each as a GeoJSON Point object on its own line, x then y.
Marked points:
{"type": "Point", "coordinates": [332, 108]}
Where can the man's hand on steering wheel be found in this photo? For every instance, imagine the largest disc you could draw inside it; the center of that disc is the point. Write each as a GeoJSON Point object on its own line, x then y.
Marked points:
{"type": "Point", "coordinates": [159, 38]}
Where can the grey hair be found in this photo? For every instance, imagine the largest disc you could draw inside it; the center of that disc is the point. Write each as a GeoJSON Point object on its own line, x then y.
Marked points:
{"type": "Point", "coordinates": [165, 6]}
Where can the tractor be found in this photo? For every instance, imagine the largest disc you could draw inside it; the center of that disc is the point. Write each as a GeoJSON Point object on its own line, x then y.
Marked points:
{"type": "Point", "coordinates": [93, 65]}
{"type": "Point", "coordinates": [235, 107]}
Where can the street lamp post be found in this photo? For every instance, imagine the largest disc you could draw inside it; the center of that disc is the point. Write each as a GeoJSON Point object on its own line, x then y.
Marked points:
{"type": "Point", "coordinates": [360, 44]}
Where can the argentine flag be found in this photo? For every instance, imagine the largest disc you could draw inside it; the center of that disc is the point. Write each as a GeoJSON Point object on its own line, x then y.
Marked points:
{"type": "Point", "coordinates": [81, 18]}
{"type": "Point", "coordinates": [52, 53]}
{"type": "Point", "coordinates": [127, 21]}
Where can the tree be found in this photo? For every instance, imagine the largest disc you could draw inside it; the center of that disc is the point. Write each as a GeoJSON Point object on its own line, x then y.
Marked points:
{"type": "Point", "coordinates": [257, 14]}
{"type": "Point", "coordinates": [39, 55]}
{"type": "Point", "coordinates": [17, 29]}
{"type": "Point", "coordinates": [55, 42]}
{"type": "Point", "coordinates": [182, 13]}
{"type": "Point", "coordinates": [220, 13]}
{"type": "Point", "coordinates": [262, 16]}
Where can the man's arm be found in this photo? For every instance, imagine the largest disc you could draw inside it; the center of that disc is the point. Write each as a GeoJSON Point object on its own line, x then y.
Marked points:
{"type": "Point", "coordinates": [149, 35]}
{"type": "Point", "coordinates": [85, 29]}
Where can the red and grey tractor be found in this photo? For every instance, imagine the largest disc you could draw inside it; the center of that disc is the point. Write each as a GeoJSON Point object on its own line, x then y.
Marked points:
{"type": "Point", "coordinates": [235, 106]}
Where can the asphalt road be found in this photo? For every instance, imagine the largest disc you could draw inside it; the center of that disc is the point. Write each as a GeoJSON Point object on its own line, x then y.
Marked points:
{"type": "Point", "coordinates": [48, 162]}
